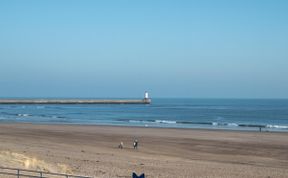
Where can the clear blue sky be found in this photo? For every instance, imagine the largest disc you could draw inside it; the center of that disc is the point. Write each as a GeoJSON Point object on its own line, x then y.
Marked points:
{"type": "Point", "coordinates": [218, 49]}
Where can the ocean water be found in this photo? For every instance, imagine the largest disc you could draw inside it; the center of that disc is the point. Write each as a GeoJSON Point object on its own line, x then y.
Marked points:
{"type": "Point", "coordinates": [235, 114]}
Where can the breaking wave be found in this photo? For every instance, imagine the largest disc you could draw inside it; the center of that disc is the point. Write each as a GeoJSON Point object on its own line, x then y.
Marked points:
{"type": "Point", "coordinates": [277, 126]}
{"type": "Point", "coordinates": [212, 124]}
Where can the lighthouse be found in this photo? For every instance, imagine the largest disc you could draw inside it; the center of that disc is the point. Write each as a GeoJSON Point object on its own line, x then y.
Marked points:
{"type": "Point", "coordinates": [146, 95]}
{"type": "Point", "coordinates": [146, 98]}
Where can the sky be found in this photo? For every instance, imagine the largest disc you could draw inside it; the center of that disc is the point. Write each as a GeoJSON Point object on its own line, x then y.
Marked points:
{"type": "Point", "coordinates": [106, 49]}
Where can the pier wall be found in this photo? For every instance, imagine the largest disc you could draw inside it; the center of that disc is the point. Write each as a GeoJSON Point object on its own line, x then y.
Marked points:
{"type": "Point", "coordinates": [73, 101]}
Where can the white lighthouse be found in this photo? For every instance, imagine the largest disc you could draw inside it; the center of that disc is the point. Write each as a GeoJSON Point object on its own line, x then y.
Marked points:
{"type": "Point", "coordinates": [146, 97]}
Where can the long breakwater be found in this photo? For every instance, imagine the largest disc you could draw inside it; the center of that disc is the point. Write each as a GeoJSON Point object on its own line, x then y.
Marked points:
{"type": "Point", "coordinates": [74, 101]}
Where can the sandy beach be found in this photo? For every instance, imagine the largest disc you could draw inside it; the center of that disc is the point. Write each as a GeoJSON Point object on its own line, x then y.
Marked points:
{"type": "Point", "coordinates": [168, 153]}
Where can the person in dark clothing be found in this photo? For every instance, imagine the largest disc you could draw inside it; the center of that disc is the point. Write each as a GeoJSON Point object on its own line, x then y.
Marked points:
{"type": "Point", "coordinates": [134, 175]}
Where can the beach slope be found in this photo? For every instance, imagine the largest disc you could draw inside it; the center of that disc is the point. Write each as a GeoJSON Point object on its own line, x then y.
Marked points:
{"type": "Point", "coordinates": [169, 153]}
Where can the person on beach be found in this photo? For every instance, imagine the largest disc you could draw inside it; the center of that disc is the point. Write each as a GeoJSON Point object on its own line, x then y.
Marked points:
{"type": "Point", "coordinates": [135, 144]}
{"type": "Point", "coordinates": [121, 145]}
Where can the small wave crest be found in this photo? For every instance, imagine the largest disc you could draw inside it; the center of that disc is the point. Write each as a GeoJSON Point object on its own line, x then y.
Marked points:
{"type": "Point", "coordinates": [233, 124]}
{"type": "Point", "coordinates": [23, 115]}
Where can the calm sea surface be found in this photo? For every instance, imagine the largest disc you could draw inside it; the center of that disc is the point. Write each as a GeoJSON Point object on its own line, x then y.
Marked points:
{"type": "Point", "coordinates": [235, 114]}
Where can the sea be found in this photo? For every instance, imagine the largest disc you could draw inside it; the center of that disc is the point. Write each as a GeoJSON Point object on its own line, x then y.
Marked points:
{"type": "Point", "coordinates": [230, 114]}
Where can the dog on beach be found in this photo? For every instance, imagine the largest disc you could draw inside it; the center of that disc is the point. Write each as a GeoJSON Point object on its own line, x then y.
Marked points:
{"type": "Point", "coordinates": [135, 144]}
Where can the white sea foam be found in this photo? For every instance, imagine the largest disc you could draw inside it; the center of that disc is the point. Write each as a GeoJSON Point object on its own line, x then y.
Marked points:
{"type": "Point", "coordinates": [277, 126]}
{"type": "Point", "coordinates": [165, 122]}
{"type": "Point", "coordinates": [232, 124]}
{"type": "Point", "coordinates": [23, 115]}
{"type": "Point", "coordinates": [215, 123]}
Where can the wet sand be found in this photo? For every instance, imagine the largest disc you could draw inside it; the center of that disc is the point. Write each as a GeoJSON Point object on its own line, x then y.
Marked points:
{"type": "Point", "coordinates": [170, 153]}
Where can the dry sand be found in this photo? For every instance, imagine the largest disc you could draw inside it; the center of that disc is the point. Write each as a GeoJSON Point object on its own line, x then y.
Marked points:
{"type": "Point", "coordinates": [170, 153]}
